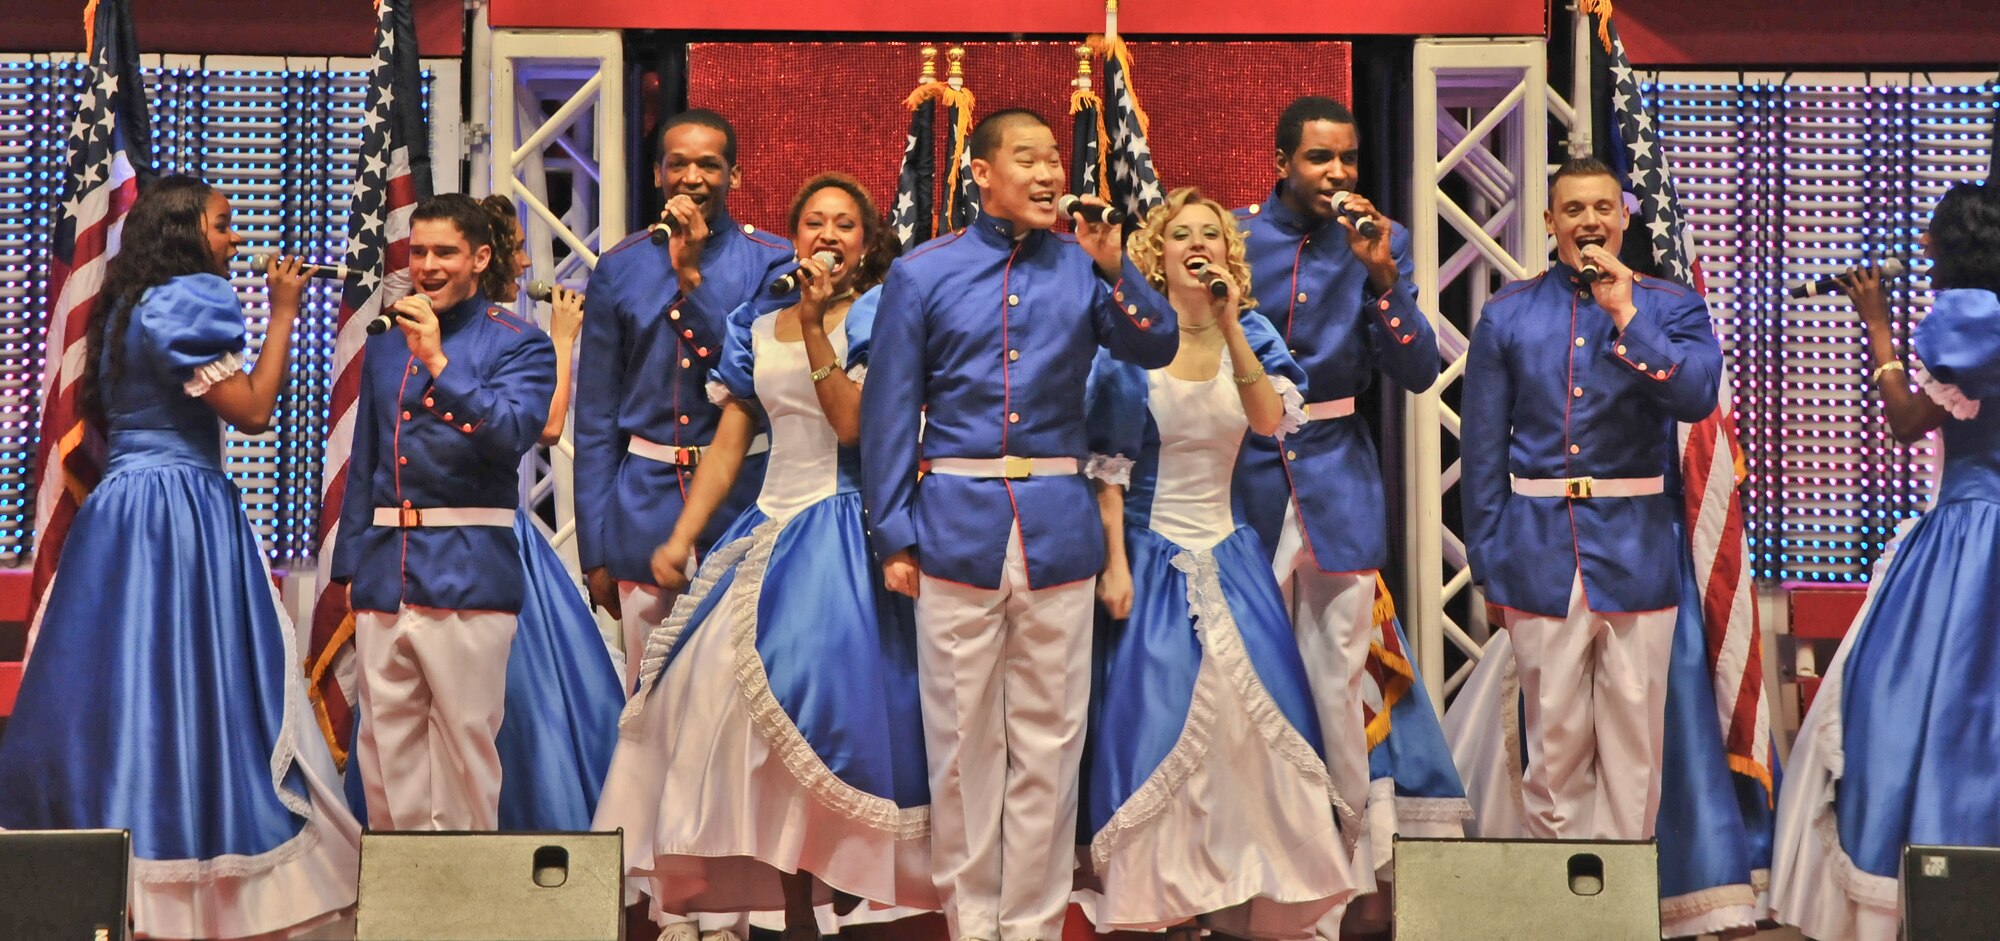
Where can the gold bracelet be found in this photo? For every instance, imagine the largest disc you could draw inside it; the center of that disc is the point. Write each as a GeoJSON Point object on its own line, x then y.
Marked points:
{"type": "Point", "coordinates": [1253, 377]}
{"type": "Point", "coordinates": [825, 371]}
{"type": "Point", "coordinates": [1894, 365]}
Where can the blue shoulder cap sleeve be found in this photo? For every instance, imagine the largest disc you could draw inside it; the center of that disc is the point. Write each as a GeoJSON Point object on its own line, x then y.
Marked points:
{"type": "Point", "coordinates": [860, 326]}
{"type": "Point", "coordinates": [1115, 406]}
{"type": "Point", "coordinates": [1959, 342]}
{"type": "Point", "coordinates": [738, 369]}
{"type": "Point", "coordinates": [189, 322]}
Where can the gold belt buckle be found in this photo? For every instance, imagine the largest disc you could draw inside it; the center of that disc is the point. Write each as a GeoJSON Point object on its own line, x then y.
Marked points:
{"type": "Point", "coordinates": [687, 457]}
{"type": "Point", "coordinates": [1016, 468]}
{"type": "Point", "coordinates": [1578, 488]}
{"type": "Point", "coordinates": [408, 518]}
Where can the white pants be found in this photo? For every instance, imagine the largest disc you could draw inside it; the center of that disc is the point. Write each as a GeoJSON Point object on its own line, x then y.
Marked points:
{"type": "Point", "coordinates": [1594, 687]}
{"type": "Point", "coordinates": [433, 691]}
{"type": "Point", "coordinates": [1006, 685]}
{"type": "Point", "coordinates": [641, 607]}
{"type": "Point", "coordinates": [1333, 616]}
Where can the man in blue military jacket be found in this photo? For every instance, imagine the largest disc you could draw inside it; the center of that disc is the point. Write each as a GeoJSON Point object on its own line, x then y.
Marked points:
{"type": "Point", "coordinates": [1347, 309]}
{"type": "Point", "coordinates": [654, 320]}
{"type": "Point", "coordinates": [1571, 394]}
{"type": "Point", "coordinates": [984, 341]}
{"type": "Point", "coordinates": [448, 405]}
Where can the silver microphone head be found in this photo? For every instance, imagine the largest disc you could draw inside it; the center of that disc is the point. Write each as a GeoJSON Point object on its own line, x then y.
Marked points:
{"type": "Point", "coordinates": [540, 290]}
{"type": "Point", "coordinates": [1894, 268]}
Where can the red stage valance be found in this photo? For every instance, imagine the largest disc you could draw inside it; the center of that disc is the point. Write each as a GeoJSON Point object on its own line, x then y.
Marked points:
{"type": "Point", "coordinates": [1303, 19]}
{"type": "Point", "coordinates": [802, 108]}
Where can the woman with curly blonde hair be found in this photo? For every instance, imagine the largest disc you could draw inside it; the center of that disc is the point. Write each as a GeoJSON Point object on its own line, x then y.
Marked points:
{"type": "Point", "coordinates": [1205, 787]}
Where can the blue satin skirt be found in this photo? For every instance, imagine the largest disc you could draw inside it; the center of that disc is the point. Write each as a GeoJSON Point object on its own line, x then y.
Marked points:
{"type": "Point", "coordinates": [563, 698]}
{"type": "Point", "coordinates": [155, 699]}
{"type": "Point", "coordinates": [1145, 666]}
{"type": "Point", "coordinates": [1918, 697]}
{"type": "Point", "coordinates": [838, 648]}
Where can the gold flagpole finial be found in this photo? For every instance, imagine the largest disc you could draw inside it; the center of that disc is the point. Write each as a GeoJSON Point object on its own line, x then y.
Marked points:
{"type": "Point", "coordinates": [929, 52]}
{"type": "Point", "coordinates": [1083, 65]}
{"type": "Point", "coordinates": [955, 69]}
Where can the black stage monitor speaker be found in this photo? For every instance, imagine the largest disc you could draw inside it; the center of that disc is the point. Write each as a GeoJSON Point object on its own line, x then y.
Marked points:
{"type": "Point", "coordinates": [1526, 890]}
{"type": "Point", "coordinates": [1949, 892]}
{"type": "Point", "coordinates": [64, 885]}
{"type": "Point", "coordinates": [491, 887]}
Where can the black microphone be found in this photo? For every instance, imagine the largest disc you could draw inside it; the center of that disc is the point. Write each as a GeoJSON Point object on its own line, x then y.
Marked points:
{"type": "Point", "coordinates": [1890, 268]}
{"type": "Point", "coordinates": [540, 290]}
{"type": "Point", "coordinates": [1363, 222]}
{"type": "Point", "coordinates": [331, 272]}
{"type": "Point", "coordinates": [1218, 286]}
{"type": "Point", "coordinates": [1587, 271]}
{"type": "Point", "coordinates": [790, 281]}
{"type": "Point", "coordinates": [663, 231]}
{"type": "Point", "coordinates": [387, 318]}
{"type": "Point", "coordinates": [1071, 205]}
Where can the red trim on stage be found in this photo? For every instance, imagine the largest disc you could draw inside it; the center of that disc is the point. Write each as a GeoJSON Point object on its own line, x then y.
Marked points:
{"type": "Point", "coordinates": [1823, 613]}
{"type": "Point", "coordinates": [1302, 19]}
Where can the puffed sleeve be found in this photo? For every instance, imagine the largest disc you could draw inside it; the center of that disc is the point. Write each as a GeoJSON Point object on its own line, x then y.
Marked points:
{"type": "Point", "coordinates": [736, 374]}
{"type": "Point", "coordinates": [1288, 379]}
{"type": "Point", "coordinates": [860, 327]}
{"type": "Point", "coordinates": [1958, 346]}
{"type": "Point", "coordinates": [1114, 409]}
{"type": "Point", "coordinates": [192, 331]}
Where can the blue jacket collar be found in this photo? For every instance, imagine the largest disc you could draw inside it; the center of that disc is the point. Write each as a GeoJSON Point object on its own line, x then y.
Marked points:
{"type": "Point", "coordinates": [1284, 216]}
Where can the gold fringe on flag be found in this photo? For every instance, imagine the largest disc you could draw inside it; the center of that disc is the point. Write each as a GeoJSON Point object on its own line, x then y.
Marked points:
{"type": "Point", "coordinates": [1085, 98]}
{"type": "Point", "coordinates": [1603, 10]}
{"type": "Point", "coordinates": [960, 98]}
{"type": "Point", "coordinates": [1402, 675]}
{"type": "Point", "coordinates": [315, 672]}
{"type": "Point", "coordinates": [89, 26]}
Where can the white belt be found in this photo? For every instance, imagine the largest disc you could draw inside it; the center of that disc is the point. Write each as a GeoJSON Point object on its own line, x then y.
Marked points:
{"type": "Point", "coordinates": [427, 517]}
{"type": "Point", "coordinates": [1010, 467]}
{"type": "Point", "coordinates": [684, 456]}
{"type": "Point", "coordinates": [1585, 488]}
{"type": "Point", "coordinates": [1332, 408]}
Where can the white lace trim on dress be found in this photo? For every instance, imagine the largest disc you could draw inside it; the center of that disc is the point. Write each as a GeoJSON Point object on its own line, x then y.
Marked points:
{"type": "Point", "coordinates": [1110, 468]}
{"type": "Point", "coordinates": [208, 374]}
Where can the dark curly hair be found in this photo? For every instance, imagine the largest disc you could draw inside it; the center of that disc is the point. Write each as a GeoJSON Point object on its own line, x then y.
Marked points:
{"type": "Point", "coordinates": [163, 240]}
{"type": "Point", "coordinates": [880, 245]}
{"type": "Point", "coordinates": [1965, 239]}
{"type": "Point", "coordinates": [500, 282]}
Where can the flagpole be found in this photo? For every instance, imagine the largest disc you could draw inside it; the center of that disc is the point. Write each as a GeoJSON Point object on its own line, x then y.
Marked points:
{"type": "Point", "coordinates": [1110, 20]}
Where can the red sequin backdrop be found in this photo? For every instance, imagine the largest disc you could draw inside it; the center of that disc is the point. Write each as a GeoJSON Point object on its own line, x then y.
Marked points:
{"type": "Point", "coordinates": [804, 108]}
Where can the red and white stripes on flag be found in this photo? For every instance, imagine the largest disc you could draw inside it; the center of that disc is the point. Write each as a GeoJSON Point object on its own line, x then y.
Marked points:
{"type": "Point", "coordinates": [394, 173]}
{"type": "Point", "coordinates": [108, 149]}
{"type": "Point", "coordinates": [1711, 458]}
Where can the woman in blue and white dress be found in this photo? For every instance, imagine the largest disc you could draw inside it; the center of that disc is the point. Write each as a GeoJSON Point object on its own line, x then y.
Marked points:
{"type": "Point", "coordinates": [1205, 789]}
{"type": "Point", "coordinates": [1900, 746]}
{"type": "Point", "coordinates": [164, 695]}
{"type": "Point", "coordinates": [773, 756]}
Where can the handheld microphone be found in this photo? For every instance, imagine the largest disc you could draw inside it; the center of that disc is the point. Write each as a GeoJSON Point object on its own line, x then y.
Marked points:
{"type": "Point", "coordinates": [387, 318]}
{"type": "Point", "coordinates": [1071, 205]}
{"type": "Point", "coordinates": [1363, 222]}
{"type": "Point", "coordinates": [540, 290]}
{"type": "Point", "coordinates": [662, 231]}
{"type": "Point", "coordinates": [1890, 268]}
{"type": "Point", "coordinates": [790, 281]}
{"type": "Point", "coordinates": [262, 262]}
{"type": "Point", "coordinates": [1218, 286]}
{"type": "Point", "coordinates": [1587, 271]}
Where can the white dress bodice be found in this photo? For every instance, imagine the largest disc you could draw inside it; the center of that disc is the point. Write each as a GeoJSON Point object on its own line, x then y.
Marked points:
{"type": "Point", "coordinates": [804, 466]}
{"type": "Point", "coordinates": [1201, 427]}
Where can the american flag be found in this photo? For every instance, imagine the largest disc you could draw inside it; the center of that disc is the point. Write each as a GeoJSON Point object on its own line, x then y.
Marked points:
{"type": "Point", "coordinates": [1086, 150]}
{"type": "Point", "coordinates": [962, 202]}
{"type": "Point", "coordinates": [1134, 186]}
{"type": "Point", "coordinates": [394, 173]}
{"type": "Point", "coordinates": [109, 150]}
{"type": "Point", "coordinates": [911, 217]}
{"type": "Point", "coordinates": [1710, 454]}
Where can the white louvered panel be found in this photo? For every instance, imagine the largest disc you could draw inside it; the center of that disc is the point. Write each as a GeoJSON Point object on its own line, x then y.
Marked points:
{"type": "Point", "coordinates": [1790, 180]}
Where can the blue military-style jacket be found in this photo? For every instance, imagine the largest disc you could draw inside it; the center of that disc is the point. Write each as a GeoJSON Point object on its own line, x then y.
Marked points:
{"type": "Point", "coordinates": [982, 346]}
{"type": "Point", "coordinates": [456, 441]}
{"type": "Point", "coordinates": [645, 360]}
{"type": "Point", "coordinates": [1554, 390]}
{"type": "Point", "coordinates": [1315, 292]}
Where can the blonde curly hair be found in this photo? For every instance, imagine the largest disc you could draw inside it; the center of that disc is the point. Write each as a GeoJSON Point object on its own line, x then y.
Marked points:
{"type": "Point", "coordinates": [1148, 244]}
